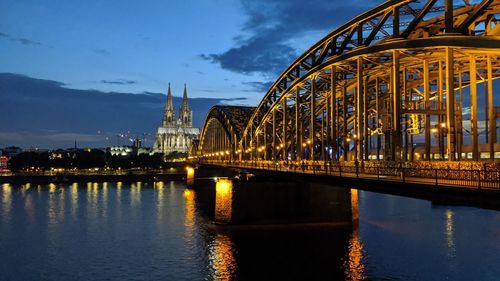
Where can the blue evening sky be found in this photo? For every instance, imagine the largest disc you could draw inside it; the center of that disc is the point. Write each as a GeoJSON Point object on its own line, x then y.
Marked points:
{"type": "Point", "coordinates": [137, 46]}
{"type": "Point", "coordinates": [228, 51]}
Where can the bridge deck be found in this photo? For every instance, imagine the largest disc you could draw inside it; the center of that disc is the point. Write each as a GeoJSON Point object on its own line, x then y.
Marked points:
{"type": "Point", "coordinates": [463, 179]}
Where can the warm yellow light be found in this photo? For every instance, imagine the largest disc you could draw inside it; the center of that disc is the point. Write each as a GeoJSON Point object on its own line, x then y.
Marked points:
{"type": "Point", "coordinates": [223, 199]}
{"type": "Point", "coordinates": [443, 125]}
{"type": "Point", "coordinates": [434, 130]}
{"type": "Point", "coordinates": [190, 175]}
{"type": "Point", "coordinates": [348, 139]}
{"type": "Point", "coordinates": [304, 145]}
{"type": "Point", "coordinates": [355, 136]}
{"type": "Point", "coordinates": [308, 141]}
{"type": "Point", "coordinates": [188, 194]}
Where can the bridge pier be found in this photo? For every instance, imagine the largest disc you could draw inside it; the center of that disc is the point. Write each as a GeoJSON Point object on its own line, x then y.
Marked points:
{"type": "Point", "coordinates": [274, 201]}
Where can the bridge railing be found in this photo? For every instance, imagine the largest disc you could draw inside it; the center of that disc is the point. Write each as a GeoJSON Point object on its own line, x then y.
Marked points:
{"type": "Point", "coordinates": [475, 178]}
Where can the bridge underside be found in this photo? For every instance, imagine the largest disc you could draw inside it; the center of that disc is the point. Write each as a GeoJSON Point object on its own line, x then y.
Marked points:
{"type": "Point", "coordinates": [371, 91]}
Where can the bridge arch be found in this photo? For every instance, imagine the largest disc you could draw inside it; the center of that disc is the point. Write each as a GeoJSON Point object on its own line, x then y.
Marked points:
{"type": "Point", "coordinates": [221, 133]}
{"type": "Point", "coordinates": [396, 76]}
{"type": "Point", "coordinates": [380, 80]}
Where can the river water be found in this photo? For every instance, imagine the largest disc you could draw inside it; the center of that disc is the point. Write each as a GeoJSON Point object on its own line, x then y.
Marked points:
{"type": "Point", "coordinates": [157, 231]}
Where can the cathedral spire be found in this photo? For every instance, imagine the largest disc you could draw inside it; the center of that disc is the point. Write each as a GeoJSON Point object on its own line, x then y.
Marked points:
{"type": "Point", "coordinates": [169, 114]}
{"type": "Point", "coordinates": [185, 104]}
{"type": "Point", "coordinates": [185, 114]}
{"type": "Point", "coordinates": [170, 103]}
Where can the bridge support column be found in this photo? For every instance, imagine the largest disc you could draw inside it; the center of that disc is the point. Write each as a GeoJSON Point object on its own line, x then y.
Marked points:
{"type": "Point", "coordinates": [298, 126]}
{"type": "Point", "coordinates": [473, 108]}
{"type": "Point", "coordinates": [332, 122]}
{"type": "Point", "coordinates": [274, 149]}
{"type": "Point", "coordinates": [491, 111]}
{"type": "Point", "coordinates": [427, 133]}
{"type": "Point", "coordinates": [344, 127]}
{"type": "Point", "coordinates": [359, 123]}
{"type": "Point", "coordinates": [450, 105]}
{"type": "Point", "coordinates": [396, 102]}
{"type": "Point", "coordinates": [312, 125]}
{"type": "Point", "coordinates": [284, 144]}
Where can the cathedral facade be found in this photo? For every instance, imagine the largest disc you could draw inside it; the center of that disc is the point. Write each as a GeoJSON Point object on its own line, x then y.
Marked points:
{"type": "Point", "coordinates": [176, 134]}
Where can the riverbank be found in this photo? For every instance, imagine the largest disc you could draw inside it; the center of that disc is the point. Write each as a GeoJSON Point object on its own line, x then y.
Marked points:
{"type": "Point", "coordinates": [123, 176]}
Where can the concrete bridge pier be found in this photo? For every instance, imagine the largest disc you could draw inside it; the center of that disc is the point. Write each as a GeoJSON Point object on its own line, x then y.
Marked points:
{"type": "Point", "coordinates": [229, 200]}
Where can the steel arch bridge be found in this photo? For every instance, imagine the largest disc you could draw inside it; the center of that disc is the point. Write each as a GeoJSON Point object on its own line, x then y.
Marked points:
{"type": "Point", "coordinates": [389, 82]}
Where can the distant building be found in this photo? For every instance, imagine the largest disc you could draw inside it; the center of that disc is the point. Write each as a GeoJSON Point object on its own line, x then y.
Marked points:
{"type": "Point", "coordinates": [176, 135]}
{"type": "Point", "coordinates": [4, 162]}
{"type": "Point", "coordinates": [11, 151]}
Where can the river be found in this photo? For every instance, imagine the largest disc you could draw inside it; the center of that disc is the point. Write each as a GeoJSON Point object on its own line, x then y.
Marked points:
{"type": "Point", "coordinates": [157, 231]}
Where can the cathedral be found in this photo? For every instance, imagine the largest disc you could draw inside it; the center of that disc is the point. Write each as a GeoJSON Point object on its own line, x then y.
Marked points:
{"type": "Point", "coordinates": [176, 135]}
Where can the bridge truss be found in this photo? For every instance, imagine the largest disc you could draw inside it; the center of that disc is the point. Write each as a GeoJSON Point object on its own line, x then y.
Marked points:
{"type": "Point", "coordinates": [394, 78]}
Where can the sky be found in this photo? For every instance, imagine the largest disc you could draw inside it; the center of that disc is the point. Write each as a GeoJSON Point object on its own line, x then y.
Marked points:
{"type": "Point", "coordinates": [227, 51]}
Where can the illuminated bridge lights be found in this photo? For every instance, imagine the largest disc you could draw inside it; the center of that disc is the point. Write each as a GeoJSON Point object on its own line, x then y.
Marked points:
{"type": "Point", "coordinates": [388, 85]}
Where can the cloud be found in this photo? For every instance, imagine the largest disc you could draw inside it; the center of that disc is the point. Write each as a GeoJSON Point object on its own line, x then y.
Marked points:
{"type": "Point", "coordinates": [118, 82]}
{"type": "Point", "coordinates": [23, 41]}
{"type": "Point", "coordinates": [266, 43]}
{"type": "Point", "coordinates": [256, 86]}
{"type": "Point", "coordinates": [102, 52]}
{"type": "Point", "coordinates": [50, 115]}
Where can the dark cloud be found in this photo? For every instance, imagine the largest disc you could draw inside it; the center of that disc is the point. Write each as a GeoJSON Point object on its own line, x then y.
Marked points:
{"type": "Point", "coordinates": [102, 52]}
{"type": "Point", "coordinates": [265, 45]}
{"type": "Point", "coordinates": [44, 113]}
{"type": "Point", "coordinates": [118, 82]}
{"type": "Point", "coordinates": [256, 86]}
{"type": "Point", "coordinates": [23, 41]}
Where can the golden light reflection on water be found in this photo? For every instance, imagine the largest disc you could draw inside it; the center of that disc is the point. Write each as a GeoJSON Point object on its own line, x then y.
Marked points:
{"type": "Point", "coordinates": [189, 210]}
{"type": "Point", "coordinates": [56, 202]}
{"type": "Point", "coordinates": [6, 201]}
{"type": "Point", "coordinates": [223, 200]}
{"type": "Point", "coordinates": [135, 193]}
{"type": "Point", "coordinates": [104, 201]}
{"type": "Point", "coordinates": [160, 201]}
{"type": "Point", "coordinates": [119, 193]}
{"type": "Point", "coordinates": [24, 188]}
{"type": "Point", "coordinates": [74, 199]}
{"type": "Point", "coordinates": [29, 208]}
{"type": "Point", "coordinates": [450, 236]}
{"type": "Point", "coordinates": [222, 259]}
{"type": "Point", "coordinates": [354, 269]}
{"type": "Point", "coordinates": [52, 188]}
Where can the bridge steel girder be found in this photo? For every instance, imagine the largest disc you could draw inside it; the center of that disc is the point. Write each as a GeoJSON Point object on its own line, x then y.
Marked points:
{"type": "Point", "coordinates": [372, 90]}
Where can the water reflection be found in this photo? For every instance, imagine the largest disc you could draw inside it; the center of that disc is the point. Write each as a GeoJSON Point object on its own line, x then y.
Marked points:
{"type": "Point", "coordinates": [160, 201]}
{"type": "Point", "coordinates": [353, 265]}
{"type": "Point", "coordinates": [438, 243]}
{"type": "Point", "coordinates": [29, 207]}
{"type": "Point", "coordinates": [6, 201]}
{"type": "Point", "coordinates": [74, 200]}
{"type": "Point", "coordinates": [221, 257]}
{"type": "Point", "coordinates": [135, 193]}
{"type": "Point", "coordinates": [189, 214]}
{"type": "Point", "coordinates": [450, 240]}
